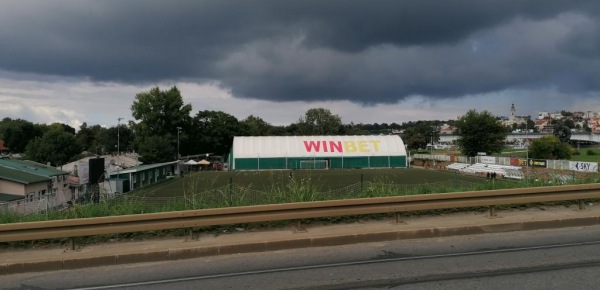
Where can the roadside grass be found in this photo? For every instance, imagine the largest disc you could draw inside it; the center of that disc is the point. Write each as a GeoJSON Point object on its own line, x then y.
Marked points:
{"type": "Point", "coordinates": [203, 190]}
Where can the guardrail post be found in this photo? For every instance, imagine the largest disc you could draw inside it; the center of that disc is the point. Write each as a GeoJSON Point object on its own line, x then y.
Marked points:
{"type": "Point", "coordinates": [361, 182]}
{"type": "Point", "coordinates": [190, 235]}
{"type": "Point", "coordinates": [299, 228]}
{"type": "Point", "coordinates": [581, 206]}
{"type": "Point", "coordinates": [492, 210]}
{"type": "Point", "coordinates": [72, 244]}
{"type": "Point", "coordinates": [398, 219]}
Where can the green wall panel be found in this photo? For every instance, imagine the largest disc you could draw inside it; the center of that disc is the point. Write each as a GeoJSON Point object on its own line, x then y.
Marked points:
{"type": "Point", "coordinates": [333, 162]}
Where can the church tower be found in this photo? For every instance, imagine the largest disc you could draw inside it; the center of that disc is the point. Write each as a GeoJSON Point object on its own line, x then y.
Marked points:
{"type": "Point", "coordinates": [513, 110]}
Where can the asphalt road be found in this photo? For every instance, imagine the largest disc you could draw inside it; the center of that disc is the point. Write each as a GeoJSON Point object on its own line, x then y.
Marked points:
{"type": "Point", "coordinates": [567, 258]}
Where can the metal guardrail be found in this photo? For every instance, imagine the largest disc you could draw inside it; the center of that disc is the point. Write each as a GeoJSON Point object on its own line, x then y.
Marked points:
{"type": "Point", "coordinates": [264, 213]}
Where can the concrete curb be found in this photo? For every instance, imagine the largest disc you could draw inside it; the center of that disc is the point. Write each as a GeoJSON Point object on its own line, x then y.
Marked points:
{"type": "Point", "coordinates": [57, 263]}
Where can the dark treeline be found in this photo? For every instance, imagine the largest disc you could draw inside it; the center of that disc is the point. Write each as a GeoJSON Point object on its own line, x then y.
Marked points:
{"type": "Point", "coordinates": [164, 126]}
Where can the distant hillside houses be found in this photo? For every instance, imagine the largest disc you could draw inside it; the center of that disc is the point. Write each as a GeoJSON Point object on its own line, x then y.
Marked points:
{"type": "Point", "coordinates": [447, 129]}
{"type": "Point", "coordinates": [594, 124]}
{"type": "Point", "coordinates": [544, 123]}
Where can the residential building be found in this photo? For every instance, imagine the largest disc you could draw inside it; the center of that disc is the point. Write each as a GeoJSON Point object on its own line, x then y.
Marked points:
{"type": "Point", "coordinates": [79, 174]}
{"type": "Point", "coordinates": [59, 179]}
{"type": "Point", "coordinates": [544, 125]}
{"type": "Point", "coordinates": [21, 185]}
{"type": "Point", "coordinates": [447, 129]}
{"type": "Point", "coordinates": [140, 176]}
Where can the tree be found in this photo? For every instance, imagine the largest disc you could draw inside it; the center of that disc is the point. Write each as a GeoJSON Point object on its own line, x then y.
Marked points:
{"type": "Point", "coordinates": [416, 142]}
{"type": "Point", "coordinates": [418, 134]}
{"type": "Point", "coordinates": [62, 127]}
{"type": "Point", "coordinates": [85, 136]}
{"type": "Point", "coordinates": [93, 139]}
{"type": "Point", "coordinates": [18, 133]}
{"type": "Point", "coordinates": [562, 133]}
{"type": "Point", "coordinates": [352, 129]}
{"type": "Point", "coordinates": [255, 126]}
{"type": "Point", "coordinates": [156, 149]}
{"type": "Point", "coordinates": [214, 131]}
{"type": "Point", "coordinates": [319, 121]}
{"type": "Point", "coordinates": [550, 147]}
{"type": "Point", "coordinates": [480, 132]}
{"type": "Point", "coordinates": [56, 147]}
{"type": "Point", "coordinates": [160, 112]}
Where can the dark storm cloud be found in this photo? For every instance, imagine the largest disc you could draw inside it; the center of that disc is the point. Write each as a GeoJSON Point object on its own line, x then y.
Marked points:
{"type": "Point", "coordinates": [365, 51]}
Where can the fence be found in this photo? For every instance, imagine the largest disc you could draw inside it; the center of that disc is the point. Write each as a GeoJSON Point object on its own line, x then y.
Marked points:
{"type": "Point", "coordinates": [54, 201]}
{"type": "Point", "coordinates": [549, 164]}
{"type": "Point", "coordinates": [234, 195]}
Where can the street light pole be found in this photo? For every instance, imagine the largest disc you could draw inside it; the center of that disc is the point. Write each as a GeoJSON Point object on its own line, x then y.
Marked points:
{"type": "Point", "coordinates": [432, 133]}
{"type": "Point", "coordinates": [118, 150]}
{"type": "Point", "coordinates": [178, 131]}
{"type": "Point", "coordinates": [118, 136]}
{"type": "Point", "coordinates": [526, 144]}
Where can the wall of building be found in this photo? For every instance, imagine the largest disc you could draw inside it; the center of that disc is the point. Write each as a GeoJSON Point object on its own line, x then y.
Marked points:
{"type": "Point", "coordinates": [320, 162]}
{"type": "Point", "coordinates": [11, 187]}
{"type": "Point", "coordinates": [32, 191]}
{"type": "Point", "coordinates": [298, 152]}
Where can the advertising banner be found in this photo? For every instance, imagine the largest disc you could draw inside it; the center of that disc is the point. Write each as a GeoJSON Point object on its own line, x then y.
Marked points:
{"type": "Point", "coordinates": [538, 163]}
{"type": "Point", "coordinates": [317, 146]}
{"type": "Point", "coordinates": [84, 172]}
{"type": "Point", "coordinates": [487, 159]}
{"type": "Point", "coordinates": [518, 162]}
{"type": "Point", "coordinates": [583, 166]}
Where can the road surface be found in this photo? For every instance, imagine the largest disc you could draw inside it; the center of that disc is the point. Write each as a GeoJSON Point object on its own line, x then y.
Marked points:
{"type": "Point", "coordinates": [567, 258]}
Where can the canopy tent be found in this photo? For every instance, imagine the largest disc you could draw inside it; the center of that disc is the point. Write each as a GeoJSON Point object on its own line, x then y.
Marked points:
{"type": "Point", "coordinates": [203, 162]}
{"type": "Point", "coordinates": [191, 162]}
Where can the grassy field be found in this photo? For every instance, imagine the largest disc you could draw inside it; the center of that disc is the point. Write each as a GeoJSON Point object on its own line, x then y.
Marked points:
{"type": "Point", "coordinates": [322, 180]}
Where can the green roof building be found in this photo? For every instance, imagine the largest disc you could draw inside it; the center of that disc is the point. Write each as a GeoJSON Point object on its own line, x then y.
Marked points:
{"type": "Point", "coordinates": [18, 184]}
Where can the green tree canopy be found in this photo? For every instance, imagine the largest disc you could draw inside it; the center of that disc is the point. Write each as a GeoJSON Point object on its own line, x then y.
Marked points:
{"type": "Point", "coordinates": [549, 147]}
{"type": "Point", "coordinates": [214, 131]}
{"type": "Point", "coordinates": [18, 133]}
{"type": "Point", "coordinates": [156, 149]}
{"type": "Point", "coordinates": [160, 112]}
{"type": "Point", "coordinates": [419, 134]}
{"type": "Point", "coordinates": [159, 115]}
{"type": "Point", "coordinates": [319, 121]}
{"type": "Point", "coordinates": [55, 146]}
{"type": "Point", "coordinates": [256, 126]}
{"type": "Point", "coordinates": [480, 132]}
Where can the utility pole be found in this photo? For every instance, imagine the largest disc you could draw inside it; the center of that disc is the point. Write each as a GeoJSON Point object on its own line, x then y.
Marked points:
{"type": "Point", "coordinates": [432, 134]}
{"type": "Point", "coordinates": [526, 143]}
{"type": "Point", "coordinates": [118, 151]}
{"type": "Point", "coordinates": [178, 131]}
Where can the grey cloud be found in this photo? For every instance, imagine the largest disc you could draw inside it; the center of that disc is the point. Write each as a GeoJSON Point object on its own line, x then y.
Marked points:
{"type": "Point", "coordinates": [364, 51]}
{"type": "Point", "coordinates": [500, 59]}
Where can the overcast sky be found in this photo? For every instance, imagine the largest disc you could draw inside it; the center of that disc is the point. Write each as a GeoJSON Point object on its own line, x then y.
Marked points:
{"type": "Point", "coordinates": [367, 61]}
